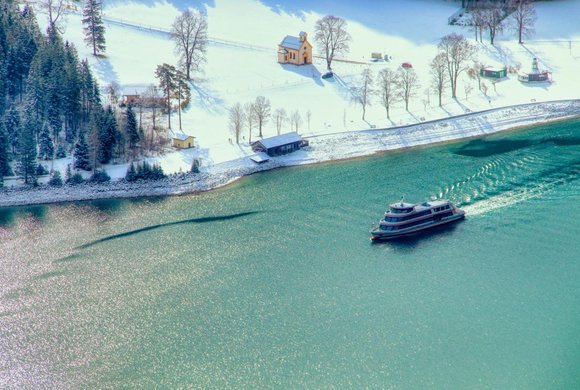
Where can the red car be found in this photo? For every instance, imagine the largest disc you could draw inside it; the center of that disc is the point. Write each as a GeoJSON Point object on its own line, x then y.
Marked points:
{"type": "Point", "coordinates": [406, 65]}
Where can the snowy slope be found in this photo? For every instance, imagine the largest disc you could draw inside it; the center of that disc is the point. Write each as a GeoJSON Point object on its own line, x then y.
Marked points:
{"type": "Point", "coordinates": [241, 64]}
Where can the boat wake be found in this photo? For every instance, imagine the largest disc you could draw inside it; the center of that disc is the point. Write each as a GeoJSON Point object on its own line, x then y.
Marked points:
{"type": "Point", "coordinates": [502, 183]}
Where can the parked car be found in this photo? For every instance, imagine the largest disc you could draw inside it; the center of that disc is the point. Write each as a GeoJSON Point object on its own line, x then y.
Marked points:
{"type": "Point", "coordinates": [406, 65]}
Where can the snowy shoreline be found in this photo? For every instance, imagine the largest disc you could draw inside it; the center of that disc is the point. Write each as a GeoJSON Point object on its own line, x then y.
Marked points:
{"type": "Point", "coordinates": [323, 148]}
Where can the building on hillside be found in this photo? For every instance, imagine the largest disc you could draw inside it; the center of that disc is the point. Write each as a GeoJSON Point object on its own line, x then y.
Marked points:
{"type": "Point", "coordinates": [280, 144]}
{"type": "Point", "coordinates": [130, 94]}
{"type": "Point", "coordinates": [133, 94]}
{"type": "Point", "coordinates": [493, 72]}
{"type": "Point", "coordinates": [535, 75]}
{"type": "Point", "coordinates": [182, 141]}
{"type": "Point", "coordinates": [295, 50]}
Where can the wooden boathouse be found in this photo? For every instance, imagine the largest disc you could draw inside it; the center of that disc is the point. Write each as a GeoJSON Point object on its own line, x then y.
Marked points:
{"type": "Point", "coordinates": [280, 144]}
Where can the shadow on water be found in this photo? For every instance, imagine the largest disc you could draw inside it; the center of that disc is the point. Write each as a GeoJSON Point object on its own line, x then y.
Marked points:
{"type": "Point", "coordinates": [9, 215]}
{"type": "Point", "coordinates": [162, 225]}
{"type": "Point", "coordinates": [487, 148]}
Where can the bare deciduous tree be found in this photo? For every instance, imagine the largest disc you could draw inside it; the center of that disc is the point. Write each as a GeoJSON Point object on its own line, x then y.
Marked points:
{"type": "Point", "coordinates": [280, 117]}
{"type": "Point", "coordinates": [477, 20]}
{"type": "Point", "coordinates": [152, 100]}
{"type": "Point", "coordinates": [332, 37]}
{"type": "Point", "coordinates": [250, 115]}
{"type": "Point", "coordinates": [189, 32]}
{"type": "Point", "coordinates": [54, 9]}
{"type": "Point", "coordinates": [407, 83]}
{"type": "Point", "coordinates": [262, 112]}
{"type": "Point", "coordinates": [494, 19]}
{"type": "Point", "coordinates": [484, 88]}
{"type": "Point", "coordinates": [458, 52]}
{"type": "Point", "coordinates": [113, 93]}
{"type": "Point", "coordinates": [295, 120]}
{"type": "Point", "coordinates": [237, 119]}
{"type": "Point", "coordinates": [362, 93]}
{"type": "Point", "coordinates": [523, 18]}
{"type": "Point", "coordinates": [387, 88]}
{"type": "Point", "coordinates": [467, 88]}
{"type": "Point", "coordinates": [474, 73]}
{"type": "Point", "coordinates": [439, 75]}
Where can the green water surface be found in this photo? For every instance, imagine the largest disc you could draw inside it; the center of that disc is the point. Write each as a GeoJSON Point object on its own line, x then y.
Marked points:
{"type": "Point", "coordinates": [273, 283]}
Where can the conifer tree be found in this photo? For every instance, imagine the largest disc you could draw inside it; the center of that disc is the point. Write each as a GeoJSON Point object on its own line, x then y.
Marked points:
{"type": "Point", "coordinates": [60, 152]}
{"type": "Point", "coordinates": [167, 83]}
{"type": "Point", "coordinates": [131, 128]}
{"type": "Point", "coordinates": [107, 136]}
{"type": "Point", "coordinates": [81, 154]}
{"type": "Point", "coordinates": [89, 91]}
{"type": "Point", "coordinates": [5, 169]}
{"type": "Point", "coordinates": [71, 107]}
{"type": "Point", "coordinates": [12, 125]}
{"type": "Point", "coordinates": [67, 174]}
{"type": "Point", "coordinates": [93, 26]}
{"type": "Point", "coordinates": [45, 145]}
{"type": "Point", "coordinates": [131, 174]}
{"type": "Point", "coordinates": [25, 38]}
{"type": "Point", "coordinates": [26, 164]}
{"type": "Point", "coordinates": [55, 179]}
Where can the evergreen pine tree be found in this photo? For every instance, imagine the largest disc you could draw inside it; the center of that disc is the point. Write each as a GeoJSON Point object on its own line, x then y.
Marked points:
{"type": "Point", "coordinates": [71, 99]}
{"type": "Point", "coordinates": [107, 136]}
{"type": "Point", "coordinates": [131, 174]}
{"type": "Point", "coordinates": [157, 172]}
{"type": "Point", "coordinates": [55, 179]}
{"type": "Point", "coordinates": [5, 169]}
{"type": "Point", "coordinates": [81, 154]}
{"type": "Point", "coordinates": [131, 127]}
{"type": "Point", "coordinates": [12, 124]}
{"type": "Point", "coordinates": [60, 152]}
{"type": "Point", "coordinates": [93, 26]}
{"type": "Point", "coordinates": [45, 145]}
{"type": "Point", "coordinates": [167, 75]}
{"type": "Point", "coordinates": [67, 174]}
{"type": "Point", "coordinates": [89, 92]}
{"type": "Point", "coordinates": [25, 37]}
{"type": "Point", "coordinates": [195, 166]}
{"type": "Point", "coordinates": [26, 164]}
{"type": "Point", "coordinates": [40, 170]}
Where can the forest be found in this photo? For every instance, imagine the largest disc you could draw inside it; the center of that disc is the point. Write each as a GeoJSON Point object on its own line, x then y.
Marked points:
{"type": "Point", "coordinates": [50, 104]}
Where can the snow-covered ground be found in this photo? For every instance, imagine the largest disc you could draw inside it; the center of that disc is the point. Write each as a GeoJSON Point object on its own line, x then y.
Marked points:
{"type": "Point", "coordinates": [241, 65]}
{"type": "Point", "coordinates": [325, 147]}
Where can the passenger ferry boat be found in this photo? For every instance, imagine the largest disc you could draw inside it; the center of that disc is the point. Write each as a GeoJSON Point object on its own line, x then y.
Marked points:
{"type": "Point", "coordinates": [403, 219]}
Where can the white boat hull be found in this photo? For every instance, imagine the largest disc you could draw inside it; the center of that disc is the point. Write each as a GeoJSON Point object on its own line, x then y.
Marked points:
{"type": "Point", "coordinates": [378, 235]}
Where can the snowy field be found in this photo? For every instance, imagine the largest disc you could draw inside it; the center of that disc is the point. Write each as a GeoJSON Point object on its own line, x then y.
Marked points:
{"type": "Point", "coordinates": [241, 65]}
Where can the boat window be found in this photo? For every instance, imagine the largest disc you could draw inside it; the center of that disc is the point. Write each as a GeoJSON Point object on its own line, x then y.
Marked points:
{"type": "Point", "coordinates": [422, 213]}
{"type": "Point", "coordinates": [401, 211]}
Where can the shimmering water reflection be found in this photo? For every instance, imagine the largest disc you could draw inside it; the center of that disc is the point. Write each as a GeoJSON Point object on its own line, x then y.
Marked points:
{"type": "Point", "coordinates": [272, 282]}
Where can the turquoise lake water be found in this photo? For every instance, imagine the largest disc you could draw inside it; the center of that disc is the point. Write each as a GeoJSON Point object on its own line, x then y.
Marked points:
{"type": "Point", "coordinates": [273, 283]}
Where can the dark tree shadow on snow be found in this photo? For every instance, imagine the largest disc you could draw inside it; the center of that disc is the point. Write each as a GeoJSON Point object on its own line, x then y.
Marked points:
{"type": "Point", "coordinates": [205, 98]}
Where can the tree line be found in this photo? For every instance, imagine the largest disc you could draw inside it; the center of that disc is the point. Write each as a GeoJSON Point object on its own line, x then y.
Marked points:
{"type": "Point", "coordinates": [256, 114]}
{"type": "Point", "coordinates": [50, 103]}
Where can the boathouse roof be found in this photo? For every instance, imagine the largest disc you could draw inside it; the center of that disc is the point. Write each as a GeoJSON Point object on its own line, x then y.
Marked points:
{"type": "Point", "coordinates": [279, 140]}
